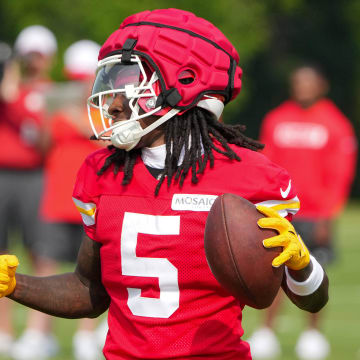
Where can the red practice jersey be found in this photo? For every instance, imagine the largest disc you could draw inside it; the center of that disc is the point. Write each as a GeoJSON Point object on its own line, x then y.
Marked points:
{"type": "Point", "coordinates": [317, 146]}
{"type": "Point", "coordinates": [165, 302]}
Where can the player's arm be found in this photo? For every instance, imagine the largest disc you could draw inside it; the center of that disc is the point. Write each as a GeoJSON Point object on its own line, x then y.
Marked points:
{"type": "Point", "coordinates": [305, 283]}
{"type": "Point", "coordinates": [307, 288]}
{"type": "Point", "coordinates": [72, 295]}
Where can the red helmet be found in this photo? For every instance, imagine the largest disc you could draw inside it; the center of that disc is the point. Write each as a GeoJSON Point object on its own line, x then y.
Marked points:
{"type": "Point", "coordinates": [190, 61]}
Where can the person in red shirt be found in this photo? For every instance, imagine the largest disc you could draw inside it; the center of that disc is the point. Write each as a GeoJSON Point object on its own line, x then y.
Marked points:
{"type": "Point", "coordinates": [70, 143]}
{"type": "Point", "coordinates": [162, 81]}
{"type": "Point", "coordinates": [311, 138]}
{"type": "Point", "coordinates": [23, 139]}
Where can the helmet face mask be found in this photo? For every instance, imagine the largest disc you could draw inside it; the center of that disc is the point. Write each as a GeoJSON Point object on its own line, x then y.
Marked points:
{"type": "Point", "coordinates": [113, 79]}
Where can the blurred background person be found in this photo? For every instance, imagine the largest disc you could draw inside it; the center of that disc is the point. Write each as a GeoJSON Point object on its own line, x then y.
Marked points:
{"type": "Point", "coordinates": [36, 48]}
{"type": "Point", "coordinates": [310, 137]}
{"type": "Point", "coordinates": [69, 145]}
{"type": "Point", "coordinates": [9, 82]}
{"type": "Point", "coordinates": [23, 147]}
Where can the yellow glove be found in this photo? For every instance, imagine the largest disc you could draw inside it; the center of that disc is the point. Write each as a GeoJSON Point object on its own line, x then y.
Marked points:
{"type": "Point", "coordinates": [8, 265]}
{"type": "Point", "coordinates": [295, 255]}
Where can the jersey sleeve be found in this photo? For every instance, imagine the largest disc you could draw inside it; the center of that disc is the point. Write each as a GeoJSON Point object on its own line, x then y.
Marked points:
{"type": "Point", "coordinates": [86, 197]}
{"type": "Point", "coordinates": [279, 194]}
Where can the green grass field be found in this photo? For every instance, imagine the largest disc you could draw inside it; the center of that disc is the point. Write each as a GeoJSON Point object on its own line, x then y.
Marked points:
{"type": "Point", "coordinates": [341, 322]}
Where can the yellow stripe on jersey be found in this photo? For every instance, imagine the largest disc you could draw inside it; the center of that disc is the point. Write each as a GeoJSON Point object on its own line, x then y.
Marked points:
{"type": "Point", "coordinates": [90, 212]}
{"type": "Point", "coordinates": [87, 211]}
{"type": "Point", "coordinates": [295, 205]}
{"type": "Point", "coordinates": [283, 207]}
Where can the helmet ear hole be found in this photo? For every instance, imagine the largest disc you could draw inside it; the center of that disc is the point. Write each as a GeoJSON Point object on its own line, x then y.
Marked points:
{"type": "Point", "coordinates": [186, 77]}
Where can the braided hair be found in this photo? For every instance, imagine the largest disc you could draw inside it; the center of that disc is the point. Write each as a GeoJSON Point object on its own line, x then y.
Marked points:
{"type": "Point", "coordinates": [194, 131]}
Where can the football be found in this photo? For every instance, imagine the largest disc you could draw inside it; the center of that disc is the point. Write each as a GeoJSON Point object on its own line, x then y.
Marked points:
{"type": "Point", "coordinates": [236, 255]}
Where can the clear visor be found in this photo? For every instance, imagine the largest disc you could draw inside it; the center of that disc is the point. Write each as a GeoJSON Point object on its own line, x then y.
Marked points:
{"type": "Point", "coordinates": [116, 76]}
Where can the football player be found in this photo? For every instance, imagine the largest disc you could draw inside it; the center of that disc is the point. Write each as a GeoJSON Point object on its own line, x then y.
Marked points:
{"type": "Point", "coordinates": [162, 81]}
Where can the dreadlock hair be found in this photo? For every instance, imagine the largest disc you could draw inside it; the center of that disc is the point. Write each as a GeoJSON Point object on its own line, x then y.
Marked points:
{"type": "Point", "coordinates": [192, 133]}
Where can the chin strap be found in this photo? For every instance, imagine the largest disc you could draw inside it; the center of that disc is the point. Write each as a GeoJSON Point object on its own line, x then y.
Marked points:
{"type": "Point", "coordinates": [160, 121]}
{"type": "Point", "coordinates": [128, 133]}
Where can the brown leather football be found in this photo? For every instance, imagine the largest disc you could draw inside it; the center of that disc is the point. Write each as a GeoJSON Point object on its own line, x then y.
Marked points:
{"type": "Point", "coordinates": [236, 255]}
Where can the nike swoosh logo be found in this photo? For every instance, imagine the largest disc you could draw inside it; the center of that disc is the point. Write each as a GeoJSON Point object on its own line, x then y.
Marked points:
{"type": "Point", "coordinates": [285, 193]}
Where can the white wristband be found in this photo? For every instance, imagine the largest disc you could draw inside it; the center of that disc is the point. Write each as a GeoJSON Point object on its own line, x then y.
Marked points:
{"type": "Point", "coordinates": [311, 284]}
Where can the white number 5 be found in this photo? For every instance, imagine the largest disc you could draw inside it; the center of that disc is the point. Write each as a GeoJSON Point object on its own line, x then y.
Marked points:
{"type": "Point", "coordinates": [132, 265]}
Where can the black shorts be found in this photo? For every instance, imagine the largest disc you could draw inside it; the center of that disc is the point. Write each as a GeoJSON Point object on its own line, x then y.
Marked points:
{"type": "Point", "coordinates": [324, 254]}
{"type": "Point", "coordinates": [20, 194]}
{"type": "Point", "coordinates": [59, 241]}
